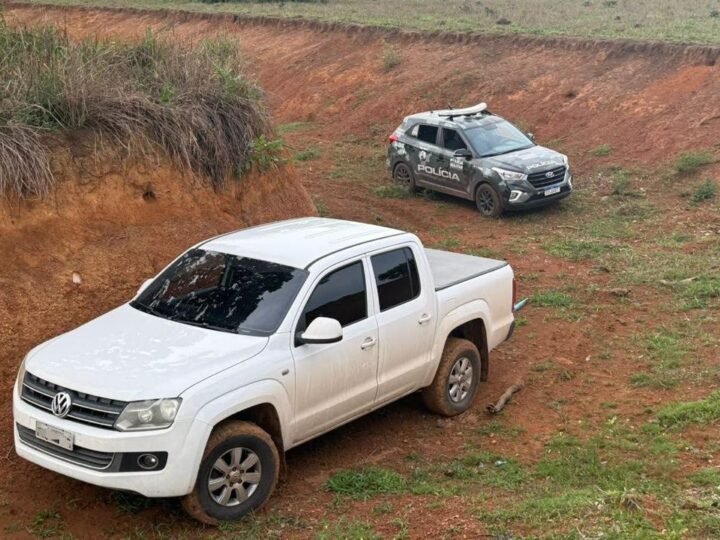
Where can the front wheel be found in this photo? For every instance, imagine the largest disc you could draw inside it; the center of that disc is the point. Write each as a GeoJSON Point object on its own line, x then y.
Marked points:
{"type": "Point", "coordinates": [488, 201]}
{"type": "Point", "coordinates": [456, 381]}
{"type": "Point", "coordinates": [237, 475]}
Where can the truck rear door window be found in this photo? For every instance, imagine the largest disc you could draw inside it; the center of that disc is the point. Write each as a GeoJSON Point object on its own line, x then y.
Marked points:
{"type": "Point", "coordinates": [396, 276]}
{"type": "Point", "coordinates": [340, 295]}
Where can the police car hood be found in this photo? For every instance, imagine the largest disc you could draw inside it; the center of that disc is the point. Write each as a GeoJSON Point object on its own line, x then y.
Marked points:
{"type": "Point", "coordinates": [528, 161]}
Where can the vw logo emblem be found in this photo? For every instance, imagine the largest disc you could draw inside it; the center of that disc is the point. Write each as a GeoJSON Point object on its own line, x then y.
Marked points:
{"type": "Point", "coordinates": [549, 174]}
{"type": "Point", "coordinates": [60, 405]}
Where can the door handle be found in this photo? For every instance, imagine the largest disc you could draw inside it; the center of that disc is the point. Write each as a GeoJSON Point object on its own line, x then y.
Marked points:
{"type": "Point", "coordinates": [369, 342]}
{"type": "Point", "coordinates": [425, 317]}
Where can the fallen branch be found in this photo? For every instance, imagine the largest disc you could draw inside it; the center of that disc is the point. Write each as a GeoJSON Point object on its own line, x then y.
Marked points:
{"type": "Point", "coordinates": [507, 396]}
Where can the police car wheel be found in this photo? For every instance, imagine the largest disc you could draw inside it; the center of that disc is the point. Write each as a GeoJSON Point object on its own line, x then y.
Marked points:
{"type": "Point", "coordinates": [488, 201]}
{"type": "Point", "coordinates": [403, 176]}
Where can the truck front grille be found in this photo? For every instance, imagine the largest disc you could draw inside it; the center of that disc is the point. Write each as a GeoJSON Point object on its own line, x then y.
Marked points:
{"type": "Point", "coordinates": [87, 409]}
{"type": "Point", "coordinates": [92, 459]}
{"type": "Point", "coordinates": [547, 178]}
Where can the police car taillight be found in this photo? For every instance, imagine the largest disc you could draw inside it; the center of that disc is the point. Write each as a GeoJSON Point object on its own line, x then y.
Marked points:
{"type": "Point", "coordinates": [393, 138]}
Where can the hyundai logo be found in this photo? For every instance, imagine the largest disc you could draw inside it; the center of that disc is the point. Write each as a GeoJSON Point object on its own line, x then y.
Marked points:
{"type": "Point", "coordinates": [549, 174]}
{"type": "Point", "coordinates": [60, 405]}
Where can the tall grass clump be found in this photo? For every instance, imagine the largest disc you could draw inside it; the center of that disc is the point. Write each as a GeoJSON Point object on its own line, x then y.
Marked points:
{"type": "Point", "coordinates": [192, 103]}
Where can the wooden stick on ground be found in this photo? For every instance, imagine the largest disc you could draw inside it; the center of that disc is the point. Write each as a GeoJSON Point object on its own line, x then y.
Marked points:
{"type": "Point", "coordinates": [507, 396]}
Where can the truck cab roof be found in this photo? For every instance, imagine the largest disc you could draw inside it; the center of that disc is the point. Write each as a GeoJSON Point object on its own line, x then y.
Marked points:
{"type": "Point", "coordinates": [298, 242]}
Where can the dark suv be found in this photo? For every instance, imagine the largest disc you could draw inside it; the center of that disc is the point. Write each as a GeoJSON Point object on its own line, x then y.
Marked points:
{"type": "Point", "coordinates": [474, 154]}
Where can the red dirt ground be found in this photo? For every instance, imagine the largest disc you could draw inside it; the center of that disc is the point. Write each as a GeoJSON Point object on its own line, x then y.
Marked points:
{"type": "Point", "coordinates": [646, 106]}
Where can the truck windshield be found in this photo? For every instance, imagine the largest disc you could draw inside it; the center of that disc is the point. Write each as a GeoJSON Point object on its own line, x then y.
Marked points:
{"type": "Point", "coordinates": [223, 292]}
{"type": "Point", "coordinates": [496, 137]}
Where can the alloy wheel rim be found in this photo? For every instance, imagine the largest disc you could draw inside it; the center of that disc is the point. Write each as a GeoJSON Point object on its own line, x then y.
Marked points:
{"type": "Point", "coordinates": [234, 477]}
{"type": "Point", "coordinates": [402, 176]}
{"type": "Point", "coordinates": [460, 380]}
{"type": "Point", "coordinates": [485, 202]}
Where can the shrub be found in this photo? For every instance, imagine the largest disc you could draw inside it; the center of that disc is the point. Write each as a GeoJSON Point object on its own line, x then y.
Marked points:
{"type": "Point", "coordinates": [391, 58]}
{"type": "Point", "coordinates": [192, 103]}
{"type": "Point", "coordinates": [704, 191]}
{"type": "Point", "coordinates": [690, 162]}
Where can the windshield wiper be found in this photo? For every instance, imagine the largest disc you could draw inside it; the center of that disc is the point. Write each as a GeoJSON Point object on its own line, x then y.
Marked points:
{"type": "Point", "coordinates": [203, 325]}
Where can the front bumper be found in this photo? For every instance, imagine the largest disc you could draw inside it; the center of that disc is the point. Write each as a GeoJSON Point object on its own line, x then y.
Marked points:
{"type": "Point", "coordinates": [184, 443]}
{"type": "Point", "coordinates": [535, 197]}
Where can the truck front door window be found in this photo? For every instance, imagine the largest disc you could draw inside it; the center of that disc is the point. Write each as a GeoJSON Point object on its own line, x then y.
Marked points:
{"type": "Point", "coordinates": [340, 295]}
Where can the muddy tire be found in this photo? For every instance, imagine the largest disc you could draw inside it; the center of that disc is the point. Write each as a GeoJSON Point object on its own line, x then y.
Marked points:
{"type": "Point", "coordinates": [456, 381]}
{"type": "Point", "coordinates": [237, 475]}
{"type": "Point", "coordinates": [404, 177]}
{"type": "Point", "coordinates": [488, 201]}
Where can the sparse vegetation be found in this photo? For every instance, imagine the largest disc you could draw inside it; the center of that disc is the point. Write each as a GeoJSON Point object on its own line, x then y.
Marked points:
{"type": "Point", "coordinates": [366, 483]}
{"type": "Point", "coordinates": [392, 191]}
{"type": "Point", "coordinates": [308, 154]}
{"type": "Point", "coordinates": [554, 299]}
{"type": "Point", "coordinates": [601, 151]}
{"type": "Point", "coordinates": [691, 162]}
{"type": "Point", "coordinates": [678, 415]}
{"type": "Point", "coordinates": [704, 191]}
{"type": "Point", "coordinates": [677, 20]}
{"type": "Point", "coordinates": [391, 58]}
{"type": "Point", "coordinates": [193, 103]}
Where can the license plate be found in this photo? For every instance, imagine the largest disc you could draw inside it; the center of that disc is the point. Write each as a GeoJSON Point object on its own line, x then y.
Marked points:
{"type": "Point", "coordinates": [58, 437]}
{"type": "Point", "coordinates": [552, 191]}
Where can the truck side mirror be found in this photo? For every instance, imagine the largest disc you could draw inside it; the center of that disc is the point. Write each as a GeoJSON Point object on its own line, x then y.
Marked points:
{"type": "Point", "coordinates": [463, 153]}
{"type": "Point", "coordinates": [144, 286]}
{"type": "Point", "coordinates": [321, 331]}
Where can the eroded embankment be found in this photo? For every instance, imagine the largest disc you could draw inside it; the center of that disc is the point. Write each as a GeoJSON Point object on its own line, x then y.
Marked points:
{"type": "Point", "coordinates": [649, 100]}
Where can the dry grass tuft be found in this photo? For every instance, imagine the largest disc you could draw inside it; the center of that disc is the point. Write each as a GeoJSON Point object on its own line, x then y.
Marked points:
{"type": "Point", "coordinates": [192, 103]}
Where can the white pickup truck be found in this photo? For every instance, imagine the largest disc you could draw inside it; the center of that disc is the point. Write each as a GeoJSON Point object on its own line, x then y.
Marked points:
{"type": "Point", "coordinates": [252, 343]}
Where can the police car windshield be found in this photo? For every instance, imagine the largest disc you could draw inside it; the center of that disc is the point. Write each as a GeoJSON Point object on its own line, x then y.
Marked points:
{"type": "Point", "coordinates": [497, 136]}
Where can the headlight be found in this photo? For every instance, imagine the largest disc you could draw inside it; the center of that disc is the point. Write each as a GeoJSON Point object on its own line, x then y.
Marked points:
{"type": "Point", "coordinates": [151, 414]}
{"type": "Point", "coordinates": [21, 376]}
{"type": "Point", "coordinates": [510, 175]}
{"type": "Point", "coordinates": [565, 160]}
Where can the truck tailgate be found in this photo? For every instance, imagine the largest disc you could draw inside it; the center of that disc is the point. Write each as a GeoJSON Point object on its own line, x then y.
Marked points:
{"type": "Point", "coordinates": [449, 268]}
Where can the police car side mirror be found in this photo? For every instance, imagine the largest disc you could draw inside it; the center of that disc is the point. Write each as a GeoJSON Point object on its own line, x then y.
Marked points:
{"type": "Point", "coordinates": [531, 136]}
{"type": "Point", "coordinates": [463, 153]}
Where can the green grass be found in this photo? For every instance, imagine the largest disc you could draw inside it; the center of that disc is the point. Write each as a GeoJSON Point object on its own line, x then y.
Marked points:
{"type": "Point", "coordinates": [603, 150]}
{"type": "Point", "coordinates": [392, 191]}
{"type": "Point", "coordinates": [689, 163]}
{"type": "Point", "coordinates": [308, 154]}
{"type": "Point", "coordinates": [47, 524]}
{"type": "Point", "coordinates": [667, 20]}
{"type": "Point", "coordinates": [678, 415]}
{"type": "Point", "coordinates": [345, 529]}
{"type": "Point", "coordinates": [554, 299]}
{"type": "Point", "coordinates": [578, 250]}
{"type": "Point", "coordinates": [366, 483]}
{"type": "Point", "coordinates": [704, 192]}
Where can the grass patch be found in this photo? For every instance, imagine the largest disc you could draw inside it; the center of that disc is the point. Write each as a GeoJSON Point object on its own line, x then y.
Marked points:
{"type": "Point", "coordinates": [194, 103]}
{"type": "Point", "coordinates": [392, 191]}
{"type": "Point", "coordinates": [344, 529]}
{"type": "Point", "coordinates": [47, 524]}
{"type": "Point", "coordinates": [704, 192]}
{"type": "Point", "coordinates": [554, 299]}
{"type": "Point", "coordinates": [294, 127]}
{"type": "Point", "coordinates": [307, 155]}
{"type": "Point", "coordinates": [578, 250]}
{"type": "Point", "coordinates": [487, 469]}
{"type": "Point", "coordinates": [366, 483]}
{"type": "Point", "coordinates": [603, 150]}
{"type": "Point", "coordinates": [391, 58]}
{"type": "Point", "coordinates": [691, 162]}
{"type": "Point", "coordinates": [678, 415]}
{"type": "Point", "coordinates": [706, 478]}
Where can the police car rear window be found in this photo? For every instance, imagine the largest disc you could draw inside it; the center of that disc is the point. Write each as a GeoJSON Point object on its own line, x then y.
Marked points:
{"type": "Point", "coordinates": [426, 134]}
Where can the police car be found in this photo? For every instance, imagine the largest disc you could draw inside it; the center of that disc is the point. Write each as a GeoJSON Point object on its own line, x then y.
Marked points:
{"type": "Point", "coordinates": [476, 155]}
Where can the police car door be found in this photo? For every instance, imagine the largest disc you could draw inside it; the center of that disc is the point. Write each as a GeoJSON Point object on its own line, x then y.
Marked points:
{"type": "Point", "coordinates": [454, 172]}
{"type": "Point", "coordinates": [425, 153]}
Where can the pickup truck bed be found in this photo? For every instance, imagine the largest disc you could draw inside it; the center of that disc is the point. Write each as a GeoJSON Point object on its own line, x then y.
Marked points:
{"type": "Point", "coordinates": [449, 268]}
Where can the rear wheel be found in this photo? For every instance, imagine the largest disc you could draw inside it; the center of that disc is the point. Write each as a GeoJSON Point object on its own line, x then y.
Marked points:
{"type": "Point", "coordinates": [237, 475]}
{"type": "Point", "coordinates": [456, 381]}
{"type": "Point", "coordinates": [403, 176]}
{"type": "Point", "coordinates": [488, 201]}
